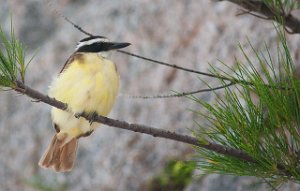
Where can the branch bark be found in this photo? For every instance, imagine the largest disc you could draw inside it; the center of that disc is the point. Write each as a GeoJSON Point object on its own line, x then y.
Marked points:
{"type": "Point", "coordinates": [155, 132]}
{"type": "Point", "coordinates": [262, 8]}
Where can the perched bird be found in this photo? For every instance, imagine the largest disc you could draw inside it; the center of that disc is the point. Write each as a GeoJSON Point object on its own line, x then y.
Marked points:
{"type": "Point", "coordinates": [88, 83]}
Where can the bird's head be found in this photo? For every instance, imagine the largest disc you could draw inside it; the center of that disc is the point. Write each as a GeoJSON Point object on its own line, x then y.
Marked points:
{"type": "Point", "coordinates": [98, 44]}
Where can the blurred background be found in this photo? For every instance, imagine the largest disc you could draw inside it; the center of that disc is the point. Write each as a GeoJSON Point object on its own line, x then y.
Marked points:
{"type": "Point", "coordinates": [188, 33]}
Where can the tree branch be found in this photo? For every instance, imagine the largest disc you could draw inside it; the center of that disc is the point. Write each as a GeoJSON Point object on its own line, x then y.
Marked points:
{"type": "Point", "coordinates": [23, 89]}
{"type": "Point", "coordinates": [261, 7]}
{"type": "Point", "coordinates": [155, 132]}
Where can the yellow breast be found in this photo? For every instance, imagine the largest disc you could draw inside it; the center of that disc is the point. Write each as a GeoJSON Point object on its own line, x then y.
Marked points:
{"type": "Point", "coordinates": [89, 83]}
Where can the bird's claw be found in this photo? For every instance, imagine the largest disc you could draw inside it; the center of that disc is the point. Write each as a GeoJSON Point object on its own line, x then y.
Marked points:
{"type": "Point", "coordinates": [92, 117]}
{"type": "Point", "coordinates": [78, 115]}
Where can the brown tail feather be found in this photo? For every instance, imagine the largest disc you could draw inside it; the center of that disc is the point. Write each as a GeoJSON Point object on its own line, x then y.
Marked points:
{"type": "Point", "coordinates": [60, 155]}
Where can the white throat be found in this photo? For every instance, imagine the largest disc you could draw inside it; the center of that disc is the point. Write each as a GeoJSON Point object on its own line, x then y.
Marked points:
{"type": "Point", "coordinates": [105, 54]}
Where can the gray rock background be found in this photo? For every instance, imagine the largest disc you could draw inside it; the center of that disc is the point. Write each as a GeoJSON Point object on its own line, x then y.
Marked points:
{"type": "Point", "coordinates": [189, 33]}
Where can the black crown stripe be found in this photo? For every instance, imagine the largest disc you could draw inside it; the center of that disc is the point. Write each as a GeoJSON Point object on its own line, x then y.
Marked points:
{"type": "Point", "coordinates": [95, 47]}
{"type": "Point", "coordinates": [91, 37]}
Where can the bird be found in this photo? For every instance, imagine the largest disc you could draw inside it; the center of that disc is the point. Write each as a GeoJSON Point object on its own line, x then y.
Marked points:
{"type": "Point", "coordinates": [88, 83]}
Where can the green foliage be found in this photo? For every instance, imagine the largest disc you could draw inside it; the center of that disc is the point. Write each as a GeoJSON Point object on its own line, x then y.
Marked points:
{"type": "Point", "coordinates": [261, 119]}
{"type": "Point", "coordinates": [175, 176]}
{"type": "Point", "coordinates": [282, 6]}
{"type": "Point", "coordinates": [12, 60]}
{"type": "Point", "coordinates": [38, 183]}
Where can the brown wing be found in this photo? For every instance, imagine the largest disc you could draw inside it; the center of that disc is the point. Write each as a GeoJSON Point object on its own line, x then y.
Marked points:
{"type": "Point", "coordinates": [74, 56]}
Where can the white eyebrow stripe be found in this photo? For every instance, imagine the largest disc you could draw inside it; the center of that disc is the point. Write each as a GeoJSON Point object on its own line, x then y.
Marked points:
{"type": "Point", "coordinates": [89, 42]}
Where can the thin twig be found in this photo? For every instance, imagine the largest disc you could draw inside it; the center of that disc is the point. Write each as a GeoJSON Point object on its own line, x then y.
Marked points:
{"type": "Point", "coordinates": [174, 66]}
{"type": "Point", "coordinates": [52, 8]}
{"type": "Point", "coordinates": [175, 95]}
{"type": "Point", "coordinates": [270, 184]}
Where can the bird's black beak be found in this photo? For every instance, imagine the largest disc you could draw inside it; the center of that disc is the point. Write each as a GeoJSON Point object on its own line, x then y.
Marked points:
{"type": "Point", "coordinates": [117, 45]}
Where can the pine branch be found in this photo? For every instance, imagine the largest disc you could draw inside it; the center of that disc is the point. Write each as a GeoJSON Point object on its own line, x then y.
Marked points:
{"type": "Point", "coordinates": [262, 8]}
{"type": "Point", "coordinates": [155, 132]}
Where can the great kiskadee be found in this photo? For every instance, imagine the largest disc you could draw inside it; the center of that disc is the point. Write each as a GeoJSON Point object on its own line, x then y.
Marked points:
{"type": "Point", "coordinates": [88, 83]}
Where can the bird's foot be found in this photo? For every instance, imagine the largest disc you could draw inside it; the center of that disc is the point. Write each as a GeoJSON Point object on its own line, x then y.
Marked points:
{"type": "Point", "coordinates": [92, 117]}
{"type": "Point", "coordinates": [78, 115]}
